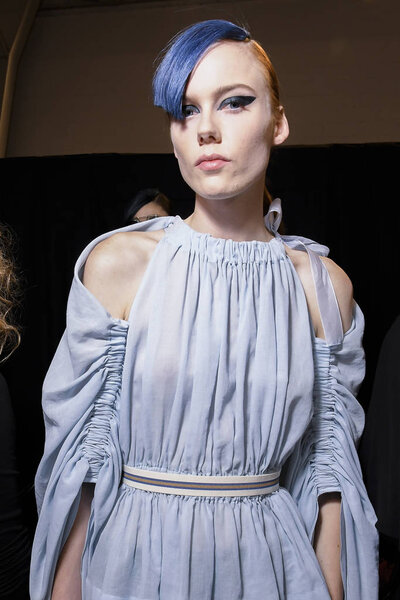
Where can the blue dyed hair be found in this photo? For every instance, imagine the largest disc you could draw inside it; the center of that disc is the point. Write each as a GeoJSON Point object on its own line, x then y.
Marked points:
{"type": "Point", "coordinates": [181, 56]}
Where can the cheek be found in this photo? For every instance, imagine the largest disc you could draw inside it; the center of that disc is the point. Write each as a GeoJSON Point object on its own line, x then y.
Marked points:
{"type": "Point", "coordinates": [180, 149]}
{"type": "Point", "coordinates": [255, 146]}
{"type": "Point", "coordinates": [181, 154]}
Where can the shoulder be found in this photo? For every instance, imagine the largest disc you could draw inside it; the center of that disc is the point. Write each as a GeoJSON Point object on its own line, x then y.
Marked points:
{"type": "Point", "coordinates": [341, 283]}
{"type": "Point", "coordinates": [343, 291]}
{"type": "Point", "coordinates": [114, 268]}
{"type": "Point", "coordinates": [343, 288]}
{"type": "Point", "coordinates": [116, 252]}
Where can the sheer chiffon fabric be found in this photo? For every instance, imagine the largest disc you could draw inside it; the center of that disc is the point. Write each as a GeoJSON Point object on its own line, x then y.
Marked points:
{"type": "Point", "coordinates": [216, 372]}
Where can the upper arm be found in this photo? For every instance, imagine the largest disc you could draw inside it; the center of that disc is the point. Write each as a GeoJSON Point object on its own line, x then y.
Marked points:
{"type": "Point", "coordinates": [111, 270]}
{"type": "Point", "coordinates": [101, 276]}
{"type": "Point", "coordinates": [343, 291]}
{"type": "Point", "coordinates": [115, 267]}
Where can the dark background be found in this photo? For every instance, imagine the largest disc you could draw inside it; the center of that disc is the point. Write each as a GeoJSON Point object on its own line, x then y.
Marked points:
{"type": "Point", "coordinates": [344, 196]}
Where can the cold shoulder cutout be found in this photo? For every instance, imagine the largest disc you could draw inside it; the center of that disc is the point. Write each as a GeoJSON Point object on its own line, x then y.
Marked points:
{"type": "Point", "coordinates": [325, 459]}
{"type": "Point", "coordinates": [325, 292]}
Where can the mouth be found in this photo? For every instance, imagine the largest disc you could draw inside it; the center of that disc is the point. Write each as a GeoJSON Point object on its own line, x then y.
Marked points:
{"type": "Point", "coordinates": [213, 162]}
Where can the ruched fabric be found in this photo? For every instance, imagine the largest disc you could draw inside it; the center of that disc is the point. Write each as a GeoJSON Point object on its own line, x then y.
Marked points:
{"type": "Point", "coordinates": [326, 459]}
{"type": "Point", "coordinates": [80, 396]}
{"type": "Point", "coordinates": [216, 372]}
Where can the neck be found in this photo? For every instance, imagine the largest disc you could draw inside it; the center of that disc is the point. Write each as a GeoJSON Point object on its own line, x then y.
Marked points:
{"type": "Point", "coordinates": [239, 218]}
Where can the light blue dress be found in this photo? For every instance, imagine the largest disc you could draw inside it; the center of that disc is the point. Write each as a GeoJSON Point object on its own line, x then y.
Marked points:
{"type": "Point", "coordinates": [216, 372]}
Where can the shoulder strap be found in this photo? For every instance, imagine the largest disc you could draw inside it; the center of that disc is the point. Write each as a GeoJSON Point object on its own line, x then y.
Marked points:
{"type": "Point", "coordinates": [326, 297]}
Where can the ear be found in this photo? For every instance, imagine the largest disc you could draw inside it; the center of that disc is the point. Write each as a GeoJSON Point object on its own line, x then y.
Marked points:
{"type": "Point", "coordinates": [281, 128]}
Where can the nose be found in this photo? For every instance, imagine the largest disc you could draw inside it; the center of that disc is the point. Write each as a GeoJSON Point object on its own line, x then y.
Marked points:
{"type": "Point", "coordinates": [208, 131]}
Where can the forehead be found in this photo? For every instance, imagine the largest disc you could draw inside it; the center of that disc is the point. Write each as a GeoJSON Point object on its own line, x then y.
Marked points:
{"type": "Point", "coordinates": [224, 64]}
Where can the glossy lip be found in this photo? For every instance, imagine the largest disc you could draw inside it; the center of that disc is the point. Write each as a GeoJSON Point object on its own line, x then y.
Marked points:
{"type": "Point", "coordinates": [206, 161]}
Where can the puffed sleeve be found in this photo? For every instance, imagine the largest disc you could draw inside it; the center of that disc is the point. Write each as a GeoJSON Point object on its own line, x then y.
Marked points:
{"type": "Point", "coordinates": [326, 460]}
{"type": "Point", "coordinates": [80, 404]}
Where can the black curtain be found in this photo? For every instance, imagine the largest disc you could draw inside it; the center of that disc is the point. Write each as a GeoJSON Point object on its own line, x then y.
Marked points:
{"type": "Point", "coordinates": [340, 195]}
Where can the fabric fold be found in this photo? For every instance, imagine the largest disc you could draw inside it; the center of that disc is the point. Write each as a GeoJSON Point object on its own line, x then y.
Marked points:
{"type": "Point", "coordinates": [326, 460]}
{"type": "Point", "coordinates": [80, 393]}
{"type": "Point", "coordinates": [246, 386]}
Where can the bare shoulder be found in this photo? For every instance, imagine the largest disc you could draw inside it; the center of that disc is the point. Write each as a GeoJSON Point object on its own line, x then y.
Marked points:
{"type": "Point", "coordinates": [121, 250]}
{"type": "Point", "coordinates": [340, 280]}
{"type": "Point", "coordinates": [114, 268]}
{"type": "Point", "coordinates": [343, 290]}
{"type": "Point", "coordinates": [341, 284]}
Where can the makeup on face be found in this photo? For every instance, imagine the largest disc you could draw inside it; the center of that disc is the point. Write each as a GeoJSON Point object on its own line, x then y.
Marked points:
{"type": "Point", "coordinates": [211, 162]}
{"type": "Point", "coordinates": [234, 103]}
{"type": "Point", "coordinates": [223, 142]}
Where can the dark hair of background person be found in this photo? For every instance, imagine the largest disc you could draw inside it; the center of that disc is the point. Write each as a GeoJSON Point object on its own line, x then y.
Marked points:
{"type": "Point", "coordinates": [14, 539]}
{"type": "Point", "coordinates": [143, 197]}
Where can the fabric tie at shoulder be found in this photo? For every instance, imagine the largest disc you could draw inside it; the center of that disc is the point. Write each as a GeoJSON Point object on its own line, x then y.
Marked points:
{"type": "Point", "coordinates": [272, 221]}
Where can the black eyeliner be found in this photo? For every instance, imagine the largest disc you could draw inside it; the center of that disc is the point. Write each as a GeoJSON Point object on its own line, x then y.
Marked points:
{"type": "Point", "coordinates": [242, 100]}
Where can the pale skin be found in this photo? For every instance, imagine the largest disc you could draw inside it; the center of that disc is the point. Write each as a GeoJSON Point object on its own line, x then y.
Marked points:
{"type": "Point", "coordinates": [228, 204]}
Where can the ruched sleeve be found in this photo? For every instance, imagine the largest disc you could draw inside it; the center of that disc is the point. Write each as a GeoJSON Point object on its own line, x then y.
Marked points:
{"type": "Point", "coordinates": [326, 460]}
{"type": "Point", "coordinates": [80, 404]}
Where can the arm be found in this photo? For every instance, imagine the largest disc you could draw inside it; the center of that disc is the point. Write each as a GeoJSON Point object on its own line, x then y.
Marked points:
{"type": "Point", "coordinates": [110, 266]}
{"type": "Point", "coordinates": [81, 441]}
{"type": "Point", "coordinates": [327, 529]}
{"type": "Point", "coordinates": [327, 542]}
{"type": "Point", "coordinates": [101, 277]}
{"type": "Point", "coordinates": [67, 581]}
{"type": "Point", "coordinates": [325, 459]}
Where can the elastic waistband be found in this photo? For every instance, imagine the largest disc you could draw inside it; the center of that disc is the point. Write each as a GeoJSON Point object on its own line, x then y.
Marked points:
{"type": "Point", "coordinates": [200, 485]}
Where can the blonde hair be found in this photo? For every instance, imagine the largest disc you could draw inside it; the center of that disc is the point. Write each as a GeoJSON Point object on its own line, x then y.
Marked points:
{"type": "Point", "coordinates": [10, 293]}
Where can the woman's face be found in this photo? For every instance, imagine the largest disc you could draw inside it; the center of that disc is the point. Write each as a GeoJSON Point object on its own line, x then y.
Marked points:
{"type": "Point", "coordinates": [224, 141]}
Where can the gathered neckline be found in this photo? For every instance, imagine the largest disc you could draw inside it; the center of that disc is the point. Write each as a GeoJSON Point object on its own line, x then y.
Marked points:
{"type": "Point", "coordinates": [224, 248]}
{"type": "Point", "coordinates": [200, 233]}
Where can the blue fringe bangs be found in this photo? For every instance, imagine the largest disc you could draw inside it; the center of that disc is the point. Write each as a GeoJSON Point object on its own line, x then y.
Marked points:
{"type": "Point", "coordinates": [181, 56]}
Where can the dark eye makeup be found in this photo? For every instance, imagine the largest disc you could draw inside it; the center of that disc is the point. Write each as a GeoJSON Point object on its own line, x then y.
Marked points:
{"type": "Point", "coordinates": [236, 102]}
{"type": "Point", "coordinates": [188, 110]}
{"type": "Point", "coordinates": [233, 102]}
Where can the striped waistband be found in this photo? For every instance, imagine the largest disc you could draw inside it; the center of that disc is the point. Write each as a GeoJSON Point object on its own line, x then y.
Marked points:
{"type": "Point", "coordinates": [200, 485]}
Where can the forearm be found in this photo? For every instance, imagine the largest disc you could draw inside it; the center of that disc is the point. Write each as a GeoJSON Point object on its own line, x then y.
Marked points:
{"type": "Point", "coordinates": [327, 542]}
{"type": "Point", "coordinates": [67, 580]}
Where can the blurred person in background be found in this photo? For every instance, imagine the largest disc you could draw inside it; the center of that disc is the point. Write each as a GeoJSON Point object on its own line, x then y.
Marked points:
{"type": "Point", "coordinates": [147, 204]}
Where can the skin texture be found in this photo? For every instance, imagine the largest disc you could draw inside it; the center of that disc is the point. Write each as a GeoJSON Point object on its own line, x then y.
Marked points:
{"type": "Point", "coordinates": [67, 583]}
{"type": "Point", "coordinates": [228, 204]}
{"type": "Point", "coordinates": [228, 200]}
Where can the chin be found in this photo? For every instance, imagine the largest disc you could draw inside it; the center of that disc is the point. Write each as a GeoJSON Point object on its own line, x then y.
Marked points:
{"type": "Point", "coordinates": [215, 195]}
{"type": "Point", "coordinates": [216, 191]}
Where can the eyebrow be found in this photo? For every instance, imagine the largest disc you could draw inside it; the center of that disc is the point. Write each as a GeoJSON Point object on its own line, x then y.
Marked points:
{"type": "Point", "coordinates": [227, 88]}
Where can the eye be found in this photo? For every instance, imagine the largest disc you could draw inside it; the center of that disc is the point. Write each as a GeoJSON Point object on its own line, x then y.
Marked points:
{"type": "Point", "coordinates": [236, 102]}
{"type": "Point", "coordinates": [188, 110]}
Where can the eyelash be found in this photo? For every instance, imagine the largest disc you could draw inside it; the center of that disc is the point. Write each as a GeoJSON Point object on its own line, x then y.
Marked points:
{"type": "Point", "coordinates": [241, 101]}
